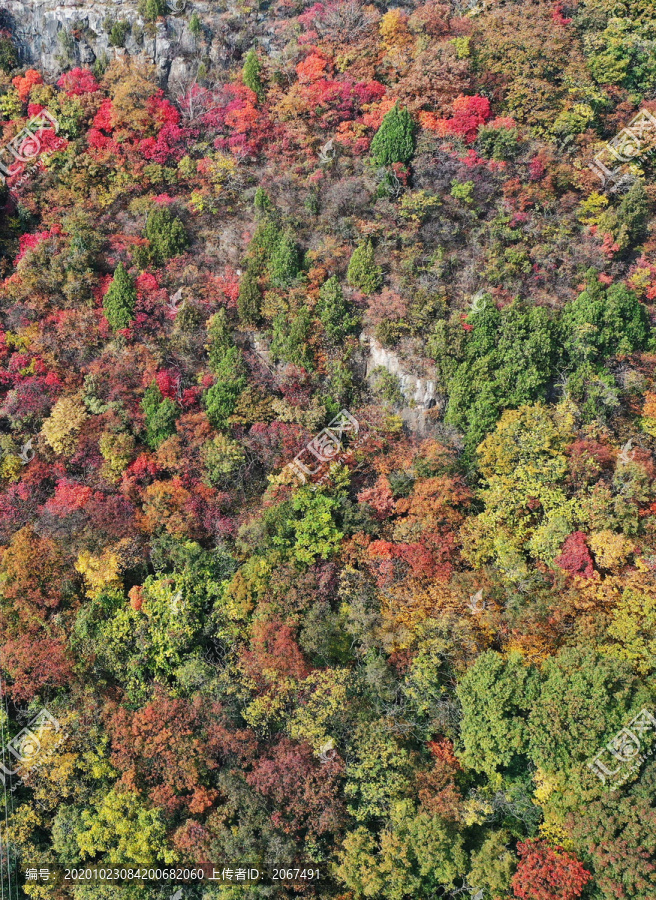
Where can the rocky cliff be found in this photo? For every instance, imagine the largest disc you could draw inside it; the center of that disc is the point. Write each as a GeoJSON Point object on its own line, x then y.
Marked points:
{"type": "Point", "coordinates": [54, 35]}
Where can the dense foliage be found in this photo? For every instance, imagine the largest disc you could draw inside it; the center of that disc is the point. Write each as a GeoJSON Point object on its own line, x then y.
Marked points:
{"type": "Point", "coordinates": [397, 671]}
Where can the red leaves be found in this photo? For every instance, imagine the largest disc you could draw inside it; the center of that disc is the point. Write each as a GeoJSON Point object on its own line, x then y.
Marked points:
{"type": "Point", "coordinates": [544, 873]}
{"type": "Point", "coordinates": [170, 747]}
{"type": "Point", "coordinates": [304, 791]}
{"type": "Point", "coordinates": [575, 557]}
{"type": "Point", "coordinates": [78, 81]}
{"type": "Point", "coordinates": [274, 653]}
{"type": "Point", "coordinates": [28, 242]}
{"type": "Point", "coordinates": [468, 114]}
{"type": "Point", "coordinates": [69, 497]}
{"type": "Point", "coordinates": [312, 69]}
{"type": "Point", "coordinates": [25, 83]}
{"type": "Point", "coordinates": [557, 15]}
{"type": "Point", "coordinates": [34, 663]}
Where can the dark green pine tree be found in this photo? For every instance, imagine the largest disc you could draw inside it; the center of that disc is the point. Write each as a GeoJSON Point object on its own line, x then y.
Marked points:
{"type": "Point", "coordinates": [284, 261]}
{"type": "Point", "coordinates": [334, 312]}
{"type": "Point", "coordinates": [251, 74]}
{"type": "Point", "coordinates": [120, 299]}
{"type": "Point", "coordinates": [249, 301]}
{"type": "Point", "coordinates": [395, 139]}
{"type": "Point", "coordinates": [362, 272]}
{"type": "Point", "coordinates": [166, 233]}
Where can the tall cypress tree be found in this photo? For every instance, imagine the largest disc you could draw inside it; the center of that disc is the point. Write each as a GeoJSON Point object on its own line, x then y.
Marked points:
{"type": "Point", "coordinates": [249, 301]}
{"type": "Point", "coordinates": [395, 139]}
{"type": "Point", "coordinates": [120, 299]}
{"type": "Point", "coordinates": [362, 272]}
{"type": "Point", "coordinates": [251, 74]}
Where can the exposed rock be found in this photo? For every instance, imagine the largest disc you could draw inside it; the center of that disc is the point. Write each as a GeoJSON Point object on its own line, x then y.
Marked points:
{"type": "Point", "coordinates": [54, 35]}
{"type": "Point", "coordinates": [423, 403]}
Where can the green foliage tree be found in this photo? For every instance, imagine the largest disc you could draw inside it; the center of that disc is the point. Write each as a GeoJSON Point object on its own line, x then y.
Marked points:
{"type": "Point", "coordinates": [395, 139]}
{"type": "Point", "coordinates": [603, 322]}
{"type": "Point", "coordinates": [152, 9]}
{"type": "Point", "coordinates": [251, 73]}
{"type": "Point", "coordinates": [284, 264]}
{"type": "Point", "coordinates": [161, 414]}
{"type": "Point", "coordinates": [249, 301]}
{"type": "Point", "coordinates": [290, 338]}
{"type": "Point", "coordinates": [493, 865]}
{"type": "Point", "coordinates": [496, 695]}
{"type": "Point", "coordinates": [166, 234]}
{"type": "Point", "coordinates": [8, 54]}
{"type": "Point", "coordinates": [120, 300]}
{"type": "Point", "coordinates": [335, 313]}
{"type": "Point", "coordinates": [363, 273]}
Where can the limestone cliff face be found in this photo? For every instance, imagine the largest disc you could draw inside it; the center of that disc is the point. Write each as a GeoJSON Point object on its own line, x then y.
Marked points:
{"type": "Point", "coordinates": [422, 400]}
{"type": "Point", "coordinates": [54, 35]}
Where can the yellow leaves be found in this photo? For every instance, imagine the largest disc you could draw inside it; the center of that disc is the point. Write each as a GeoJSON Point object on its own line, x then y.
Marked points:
{"type": "Point", "coordinates": [99, 572]}
{"type": "Point", "coordinates": [62, 427]}
{"type": "Point", "coordinates": [10, 467]}
{"type": "Point", "coordinates": [649, 414]}
{"type": "Point", "coordinates": [246, 588]}
{"type": "Point", "coordinates": [610, 550]}
{"type": "Point", "coordinates": [418, 205]}
{"type": "Point", "coordinates": [633, 626]}
{"type": "Point", "coordinates": [165, 506]}
{"type": "Point", "coordinates": [124, 830]}
{"type": "Point", "coordinates": [117, 451]}
{"type": "Point", "coordinates": [591, 208]}
{"type": "Point", "coordinates": [406, 606]}
{"type": "Point", "coordinates": [266, 712]}
{"type": "Point", "coordinates": [325, 698]}
{"type": "Point", "coordinates": [477, 810]}
{"type": "Point", "coordinates": [394, 31]}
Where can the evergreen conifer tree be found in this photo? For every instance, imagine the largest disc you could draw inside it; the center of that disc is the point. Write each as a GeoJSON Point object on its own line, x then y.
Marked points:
{"type": "Point", "coordinates": [363, 273]}
{"type": "Point", "coordinates": [395, 139]}
{"type": "Point", "coordinates": [249, 301]}
{"type": "Point", "coordinates": [251, 74]}
{"type": "Point", "coordinates": [120, 299]}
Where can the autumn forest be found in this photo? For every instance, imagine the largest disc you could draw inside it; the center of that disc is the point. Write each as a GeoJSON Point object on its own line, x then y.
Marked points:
{"type": "Point", "coordinates": [327, 473]}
